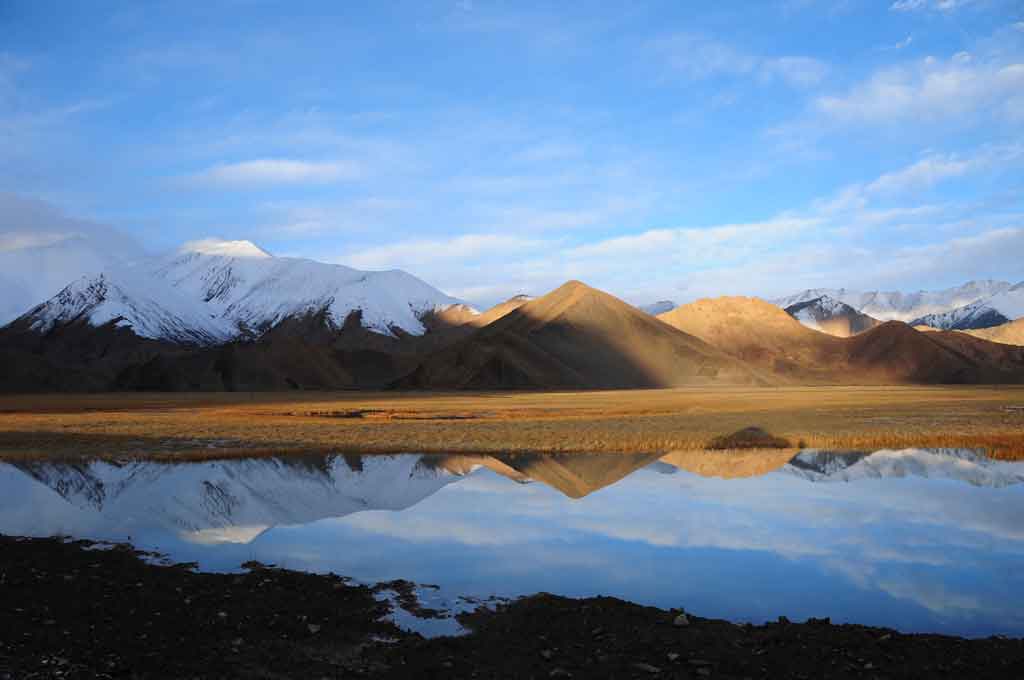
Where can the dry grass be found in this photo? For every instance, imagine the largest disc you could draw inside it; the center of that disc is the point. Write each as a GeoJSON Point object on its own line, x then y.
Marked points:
{"type": "Point", "coordinates": [177, 425]}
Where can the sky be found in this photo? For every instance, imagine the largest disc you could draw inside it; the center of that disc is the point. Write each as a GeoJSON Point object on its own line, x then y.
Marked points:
{"type": "Point", "coordinates": [657, 150]}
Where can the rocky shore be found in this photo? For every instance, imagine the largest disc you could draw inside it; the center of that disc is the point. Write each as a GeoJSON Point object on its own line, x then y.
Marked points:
{"type": "Point", "coordinates": [72, 609]}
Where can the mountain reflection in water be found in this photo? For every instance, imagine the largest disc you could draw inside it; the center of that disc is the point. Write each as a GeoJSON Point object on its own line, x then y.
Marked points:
{"type": "Point", "coordinates": [916, 539]}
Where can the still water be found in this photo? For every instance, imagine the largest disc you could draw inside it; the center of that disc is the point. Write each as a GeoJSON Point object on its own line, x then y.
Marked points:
{"type": "Point", "coordinates": [919, 540]}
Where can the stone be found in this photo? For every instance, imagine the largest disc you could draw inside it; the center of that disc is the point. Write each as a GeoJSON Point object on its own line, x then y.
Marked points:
{"type": "Point", "coordinates": [681, 621]}
{"type": "Point", "coordinates": [546, 654]}
{"type": "Point", "coordinates": [313, 628]}
{"type": "Point", "coordinates": [673, 657]}
{"type": "Point", "coordinates": [647, 668]}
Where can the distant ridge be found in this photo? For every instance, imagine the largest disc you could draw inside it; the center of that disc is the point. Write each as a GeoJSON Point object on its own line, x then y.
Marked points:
{"type": "Point", "coordinates": [831, 316]}
{"type": "Point", "coordinates": [995, 310]}
{"type": "Point", "coordinates": [897, 306]}
{"type": "Point", "coordinates": [765, 336]}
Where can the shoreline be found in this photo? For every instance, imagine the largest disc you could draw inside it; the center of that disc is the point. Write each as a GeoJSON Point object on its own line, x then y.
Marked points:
{"type": "Point", "coordinates": [74, 611]}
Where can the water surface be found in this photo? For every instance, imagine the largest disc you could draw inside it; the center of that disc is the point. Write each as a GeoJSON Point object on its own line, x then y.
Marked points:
{"type": "Point", "coordinates": [920, 540]}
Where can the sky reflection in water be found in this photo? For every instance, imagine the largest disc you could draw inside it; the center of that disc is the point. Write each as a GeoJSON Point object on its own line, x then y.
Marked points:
{"type": "Point", "coordinates": [921, 540]}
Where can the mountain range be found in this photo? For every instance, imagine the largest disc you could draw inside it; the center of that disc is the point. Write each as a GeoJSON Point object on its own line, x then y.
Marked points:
{"type": "Point", "coordinates": [227, 315]}
{"type": "Point", "coordinates": [898, 306]}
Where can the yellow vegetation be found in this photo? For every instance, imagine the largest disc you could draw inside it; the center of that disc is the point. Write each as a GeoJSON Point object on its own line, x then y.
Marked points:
{"type": "Point", "coordinates": [615, 421]}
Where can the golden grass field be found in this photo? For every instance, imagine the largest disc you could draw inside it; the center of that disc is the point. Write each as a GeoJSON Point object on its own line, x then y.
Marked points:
{"type": "Point", "coordinates": [205, 425]}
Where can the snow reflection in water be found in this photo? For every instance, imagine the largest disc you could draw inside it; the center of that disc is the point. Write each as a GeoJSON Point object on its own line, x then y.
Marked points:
{"type": "Point", "coordinates": [921, 540]}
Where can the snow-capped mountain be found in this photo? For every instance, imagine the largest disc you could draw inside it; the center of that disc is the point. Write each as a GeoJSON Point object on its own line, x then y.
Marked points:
{"type": "Point", "coordinates": [213, 291]}
{"type": "Point", "coordinates": [213, 502]}
{"type": "Point", "coordinates": [129, 302]}
{"type": "Point", "coordinates": [998, 309]}
{"type": "Point", "coordinates": [659, 307]}
{"type": "Point", "coordinates": [831, 316]}
{"type": "Point", "coordinates": [42, 250]}
{"type": "Point", "coordinates": [34, 274]}
{"type": "Point", "coordinates": [896, 306]}
{"type": "Point", "coordinates": [249, 287]}
{"type": "Point", "coordinates": [958, 464]}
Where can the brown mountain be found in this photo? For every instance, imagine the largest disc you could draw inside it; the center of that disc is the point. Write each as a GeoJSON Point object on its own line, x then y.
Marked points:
{"type": "Point", "coordinates": [1011, 333]}
{"type": "Point", "coordinates": [574, 474]}
{"type": "Point", "coordinates": [578, 337]}
{"type": "Point", "coordinates": [761, 334]}
{"type": "Point", "coordinates": [730, 464]}
{"type": "Point", "coordinates": [298, 353]}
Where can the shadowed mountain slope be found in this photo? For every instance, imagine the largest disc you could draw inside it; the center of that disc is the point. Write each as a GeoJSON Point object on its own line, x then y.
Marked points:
{"type": "Point", "coordinates": [761, 334]}
{"type": "Point", "coordinates": [578, 337]}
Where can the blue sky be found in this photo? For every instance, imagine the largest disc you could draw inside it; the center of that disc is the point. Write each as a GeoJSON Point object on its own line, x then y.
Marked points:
{"type": "Point", "coordinates": [654, 149]}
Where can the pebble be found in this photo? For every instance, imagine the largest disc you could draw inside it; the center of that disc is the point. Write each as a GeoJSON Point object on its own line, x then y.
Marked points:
{"type": "Point", "coordinates": [559, 673]}
{"type": "Point", "coordinates": [313, 628]}
{"type": "Point", "coordinates": [673, 657]}
{"type": "Point", "coordinates": [647, 668]}
{"type": "Point", "coordinates": [546, 654]}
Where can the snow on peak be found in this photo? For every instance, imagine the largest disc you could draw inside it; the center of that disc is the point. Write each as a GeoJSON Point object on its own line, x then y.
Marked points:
{"type": "Point", "coordinates": [994, 310]}
{"type": "Point", "coordinates": [224, 248]}
{"type": "Point", "coordinates": [129, 301]}
{"type": "Point", "coordinates": [897, 306]}
{"type": "Point", "coordinates": [962, 465]}
{"type": "Point", "coordinates": [213, 291]}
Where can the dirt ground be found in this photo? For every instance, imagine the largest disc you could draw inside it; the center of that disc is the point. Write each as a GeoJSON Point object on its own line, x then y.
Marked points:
{"type": "Point", "coordinates": [615, 421]}
{"type": "Point", "coordinates": [70, 611]}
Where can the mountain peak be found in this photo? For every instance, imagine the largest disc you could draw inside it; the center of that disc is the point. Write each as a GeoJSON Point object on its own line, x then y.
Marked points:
{"type": "Point", "coordinates": [224, 248]}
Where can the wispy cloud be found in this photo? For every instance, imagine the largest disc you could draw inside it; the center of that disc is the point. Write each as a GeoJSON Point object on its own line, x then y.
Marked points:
{"type": "Point", "coordinates": [899, 45]}
{"type": "Point", "coordinates": [427, 251]}
{"type": "Point", "coordinates": [268, 171]}
{"type": "Point", "coordinates": [928, 90]}
{"type": "Point", "coordinates": [699, 57]}
{"type": "Point", "coordinates": [933, 5]}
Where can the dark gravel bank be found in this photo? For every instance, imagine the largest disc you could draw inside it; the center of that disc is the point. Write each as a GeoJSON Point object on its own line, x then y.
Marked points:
{"type": "Point", "coordinates": [67, 611]}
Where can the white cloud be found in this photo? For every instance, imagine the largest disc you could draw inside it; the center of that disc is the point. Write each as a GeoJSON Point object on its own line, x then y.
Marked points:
{"type": "Point", "coordinates": [268, 171]}
{"type": "Point", "coordinates": [426, 251]}
{"type": "Point", "coordinates": [795, 71]}
{"type": "Point", "coordinates": [898, 46]}
{"type": "Point", "coordinates": [699, 57]}
{"type": "Point", "coordinates": [301, 218]}
{"type": "Point", "coordinates": [695, 244]}
{"type": "Point", "coordinates": [934, 5]}
{"type": "Point", "coordinates": [924, 173]}
{"type": "Point", "coordinates": [19, 240]}
{"type": "Point", "coordinates": [928, 90]}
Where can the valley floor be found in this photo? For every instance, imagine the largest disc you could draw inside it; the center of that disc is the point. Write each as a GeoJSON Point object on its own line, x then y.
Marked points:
{"type": "Point", "coordinates": [219, 424]}
{"type": "Point", "coordinates": [71, 611]}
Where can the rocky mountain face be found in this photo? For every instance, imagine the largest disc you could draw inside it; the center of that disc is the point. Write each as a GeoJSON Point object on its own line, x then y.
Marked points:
{"type": "Point", "coordinates": [988, 312]}
{"type": "Point", "coordinates": [831, 316]}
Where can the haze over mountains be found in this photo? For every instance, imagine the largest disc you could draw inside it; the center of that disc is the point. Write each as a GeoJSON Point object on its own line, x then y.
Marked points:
{"type": "Point", "coordinates": [227, 315]}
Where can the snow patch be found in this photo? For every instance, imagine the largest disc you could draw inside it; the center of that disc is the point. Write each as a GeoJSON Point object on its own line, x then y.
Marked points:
{"type": "Point", "coordinates": [216, 246]}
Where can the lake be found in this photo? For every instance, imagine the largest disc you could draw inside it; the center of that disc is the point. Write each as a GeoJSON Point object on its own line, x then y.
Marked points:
{"type": "Point", "coordinates": [918, 540]}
